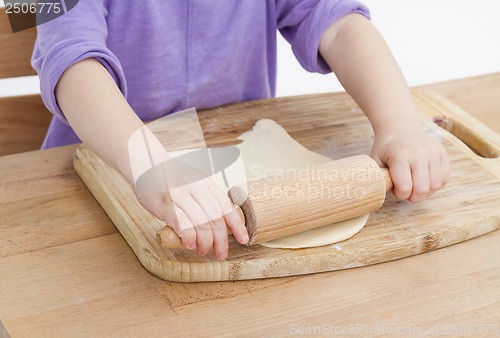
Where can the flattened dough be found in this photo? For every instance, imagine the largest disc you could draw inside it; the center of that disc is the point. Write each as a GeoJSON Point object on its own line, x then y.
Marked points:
{"type": "Point", "coordinates": [328, 234]}
{"type": "Point", "coordinates": [268, 150]}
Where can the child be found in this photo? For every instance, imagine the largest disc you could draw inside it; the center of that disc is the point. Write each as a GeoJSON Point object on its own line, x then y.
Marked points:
{"type": "Point", "coordinates": [108, 65]}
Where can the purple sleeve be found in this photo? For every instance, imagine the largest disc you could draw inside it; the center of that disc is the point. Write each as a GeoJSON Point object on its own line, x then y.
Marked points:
{"type": "Point", "coordinates": [302, 23]}
{"type": "Point", "coordinates": [77, 35]}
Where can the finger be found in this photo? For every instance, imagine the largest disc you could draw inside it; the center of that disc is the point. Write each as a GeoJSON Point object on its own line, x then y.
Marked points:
{"type": "Point", "coordinates": [237, 226]}
{"type": "Point", "coordinates": [199, 220]}
{"type": "Point", "coordinates": [435, 176]}
{"type": "Point", "coordinates": [204, 236]}
{"type": "Point", "coordinates": [232, 218]}
{"type": "Point", "coordinates": [178, 220]}
{"type": "Point", "coordinates": [421, 181]}
{"type": "Point", "coordinates": [187, 231]}
{"type": "Point", "coordinates": [212, 209]}
{"type": "Point", "coordinates": [445, 167]}
{"type": "Point", "coordinates": [401, 178]}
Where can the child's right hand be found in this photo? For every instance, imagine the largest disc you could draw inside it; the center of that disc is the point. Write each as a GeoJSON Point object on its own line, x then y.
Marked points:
{"type": "Point", "coordinates": [199, 213]}
{"type": "Point", "coordinates": [418, 162]}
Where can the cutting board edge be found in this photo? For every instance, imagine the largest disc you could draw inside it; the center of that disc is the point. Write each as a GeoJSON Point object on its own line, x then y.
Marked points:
{"type": "Point", "coordinates": [176, 272]}
{"type": "Point", "coordinates": [148, 258]}
{"type": "Point", "coordinates": [261, 267]}
{"type": "Point", "coordinates": [409, 247]}
{"type": "Point", "coordinates": [147, 255]}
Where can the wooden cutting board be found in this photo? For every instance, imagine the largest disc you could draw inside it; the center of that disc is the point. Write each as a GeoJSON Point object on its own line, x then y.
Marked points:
{"type": "Point", "coordinates": [333, 125]}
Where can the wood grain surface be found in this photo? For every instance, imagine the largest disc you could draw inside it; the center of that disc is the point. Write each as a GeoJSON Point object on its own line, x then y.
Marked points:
{"type": "Point", "coordinates": [24, 121]}
{"type": "Point", "coordinates": [395, 231]}
{"type": "Point", "coordinates": [67, 272]}
{"type": "Point", "coordinates": [16, 50]}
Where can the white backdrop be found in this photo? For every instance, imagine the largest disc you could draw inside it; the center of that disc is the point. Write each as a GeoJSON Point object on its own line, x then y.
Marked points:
{"type": "Point", "coordinates": [433, 40]}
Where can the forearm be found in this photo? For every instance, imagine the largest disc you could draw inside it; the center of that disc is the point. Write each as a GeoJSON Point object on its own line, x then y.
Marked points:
{"type": "Point", "coordinates": [363, 63]}
{"type": "Point", "coordinates": [365, 66]}
{"type": "Point", "coordinates": [98, 112]}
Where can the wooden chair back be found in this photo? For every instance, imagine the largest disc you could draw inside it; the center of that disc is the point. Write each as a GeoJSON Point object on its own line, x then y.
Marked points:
{"type": "Point", "coordinates": [23, 119]}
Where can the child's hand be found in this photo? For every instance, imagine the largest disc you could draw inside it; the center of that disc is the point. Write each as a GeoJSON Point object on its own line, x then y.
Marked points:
{"type": "Point", "coordinates": [199, 213]}
{"type": "Point", "coordinates": [418, 163]}
{"type": "Point", "coordinates": [105, 122]}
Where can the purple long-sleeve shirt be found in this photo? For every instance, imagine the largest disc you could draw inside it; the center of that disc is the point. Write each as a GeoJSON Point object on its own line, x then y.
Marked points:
{"type": "Point", "coordinates": [166, 56]}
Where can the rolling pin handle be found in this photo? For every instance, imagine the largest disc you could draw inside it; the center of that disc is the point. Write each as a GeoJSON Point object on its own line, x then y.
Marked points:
{"type": "Point", "coordinates": [167, 238]}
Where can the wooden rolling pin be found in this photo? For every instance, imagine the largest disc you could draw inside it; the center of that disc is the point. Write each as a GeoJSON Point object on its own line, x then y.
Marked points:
{"type": "Point", "coordinates": [305, 199]}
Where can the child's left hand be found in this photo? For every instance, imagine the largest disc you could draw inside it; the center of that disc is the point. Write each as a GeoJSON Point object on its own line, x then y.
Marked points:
{"type": "Point", "coordinates": [418, 163]}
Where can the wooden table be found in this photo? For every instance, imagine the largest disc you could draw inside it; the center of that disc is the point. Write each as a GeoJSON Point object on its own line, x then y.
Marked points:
{"type": "Point", "coordinates": [65, 270]}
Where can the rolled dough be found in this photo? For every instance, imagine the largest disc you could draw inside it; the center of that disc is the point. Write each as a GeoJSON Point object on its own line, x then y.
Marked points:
{"type": "Point", "coordinates": [268, 150]}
